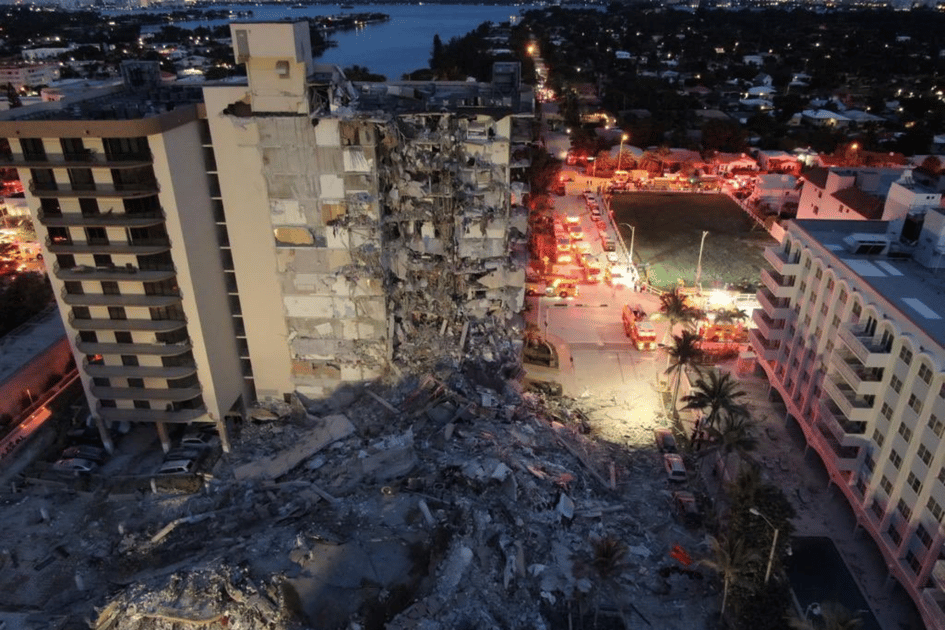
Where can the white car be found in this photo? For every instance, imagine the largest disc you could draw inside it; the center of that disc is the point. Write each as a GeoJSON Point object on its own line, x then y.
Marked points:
{"type": "Point", "coordinates": [74, 465]}
{"type": "Point", "coordinates": [177, 467]}
{"type": "Point", "coordinates": [612, 258]}
{"type": "Point", "coordinates": [675, 468]}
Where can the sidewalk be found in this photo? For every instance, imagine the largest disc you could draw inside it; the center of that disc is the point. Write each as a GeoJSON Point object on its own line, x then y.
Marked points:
{"type": "Point", "coordinates": [822, 510]}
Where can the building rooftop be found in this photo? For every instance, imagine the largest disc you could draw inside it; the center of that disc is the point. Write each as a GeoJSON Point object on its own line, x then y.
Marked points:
{"type": "Point", "coordinates": [915, 291]}
{"type": "Point", "coordinates": [24, 343]}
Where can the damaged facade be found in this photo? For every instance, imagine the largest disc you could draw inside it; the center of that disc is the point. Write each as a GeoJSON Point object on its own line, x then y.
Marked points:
{"type": "Point", "coordinates": [308, 231]}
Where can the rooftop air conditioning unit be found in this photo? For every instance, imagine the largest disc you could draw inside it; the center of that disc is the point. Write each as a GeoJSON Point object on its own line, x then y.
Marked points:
{"type": "Point", "coordinates": [866, 244]}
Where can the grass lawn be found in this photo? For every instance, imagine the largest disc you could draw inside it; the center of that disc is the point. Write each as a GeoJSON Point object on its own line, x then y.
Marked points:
{"type": "Point", "coordinates": [668, 230]}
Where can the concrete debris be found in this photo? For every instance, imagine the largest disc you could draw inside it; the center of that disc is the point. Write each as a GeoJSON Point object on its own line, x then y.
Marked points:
{"type": "Point", "coordinates": [469, 506]}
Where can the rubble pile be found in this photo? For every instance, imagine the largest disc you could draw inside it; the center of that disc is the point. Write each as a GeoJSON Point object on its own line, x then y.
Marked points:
{"type": "Point", "coordinates": [453, 502]}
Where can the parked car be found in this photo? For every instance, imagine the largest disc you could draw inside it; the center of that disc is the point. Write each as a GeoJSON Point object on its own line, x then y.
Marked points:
{"type": "Point", "coordinates": [177, 467]}
{"type": "Point", "coordinates": [199, 439]}
{"type": "Point", "coordinates": [184, 452]}
{"type": "Point", "coordinates": [84, 451]}
{"type": "Point", "coordinates": [612, 258]}
{"type": "Point", "coordinates": [675, 468]}
{"type": "Point", "coordinates": [74, 465]}
{"type": "Point", "coordinates": [562, 288]}
{"type": "Point", "coordinates": [576, 232]}
{"type": "Point", "coordinates": [608, 244]}
{"type": "Point", "coordinates": [665, 440]}
{"type": "Point", "coordinates": [687, 508]}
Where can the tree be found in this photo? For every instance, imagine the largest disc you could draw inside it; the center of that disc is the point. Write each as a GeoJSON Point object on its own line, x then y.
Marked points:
{"type": "Point", "coordinates": [723, 135]}
{"type": "Point", "coordinates": [436, 56]}
{"type": "Point", "coordinates": [717, 393]}
{"type": "Point", "coordinates": [728, 560]}
{"type": "Point", "coordinates": [683, 353]}
{"type": "Point", "coordinates": [735, 434]}
{"type": "Point", "coordinates": [674, 307]}
{"type": "Point", "coordinates": [361, 73]}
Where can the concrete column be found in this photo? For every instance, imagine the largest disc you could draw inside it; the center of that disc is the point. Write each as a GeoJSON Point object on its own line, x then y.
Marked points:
{"type": "Point", "coordinates": [224, 436]}
{"type": "Point", "coordinates": [105, 435]}
{"type": "Point", "coordinates": [931, 557]}
{"type": "Point", "coordinates": [164, 437]}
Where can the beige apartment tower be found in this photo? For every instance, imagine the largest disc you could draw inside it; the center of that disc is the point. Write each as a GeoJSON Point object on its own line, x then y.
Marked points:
{"type": "Point", "coordinates": [218, 246]}
{"type": "Point", "coordinates": [851, 333]}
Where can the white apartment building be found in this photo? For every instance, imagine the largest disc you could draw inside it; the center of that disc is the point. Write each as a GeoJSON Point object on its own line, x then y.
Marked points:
{"type": "Point", "coordinates": [851, 333]}
{"type": "Point", "coordinates": [236, 243]}
{"type": "Point", "coordinates": [845, 193]}
{"type": "Point", "coordinates": [20, 75]}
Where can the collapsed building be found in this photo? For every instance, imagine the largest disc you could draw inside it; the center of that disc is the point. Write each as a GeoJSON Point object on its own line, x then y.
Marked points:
{"type": "Point", "coordinates": [239, 244]}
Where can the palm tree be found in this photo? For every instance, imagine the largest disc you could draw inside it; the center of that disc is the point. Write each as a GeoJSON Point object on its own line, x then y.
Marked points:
{"type": "Point", "coordinates": [746, 489]}
{"type": "Point", "coordinates": [717, 393]}
{"type": "Point", "coordinates": [728, 560]}
{"type": "Point", "coordinates": [674, 307]}
{"type": "Point", "coordinates": [835, 616]}
{"type": "Point", "coordinates": [683, 353]}
{"type": "Point", "coordinates": [733, 435]}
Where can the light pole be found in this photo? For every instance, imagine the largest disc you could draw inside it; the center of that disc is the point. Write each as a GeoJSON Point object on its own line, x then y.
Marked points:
{"type": "Point", "coordinates": [774, 541]}
{"type": "Point", "coordinates": [633, 232]}
{"type": "Point", "coordinates": [699, 266]}
{"type": "Point", "coordinates": [623, 138]}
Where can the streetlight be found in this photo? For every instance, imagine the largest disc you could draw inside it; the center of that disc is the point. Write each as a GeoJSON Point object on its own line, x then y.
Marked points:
{"type": "Point", "coordinates": [623, 139]}
{"type": "Point", "coordinates": [699, 266]}
{"type": "Point", "coordinates": [633, 232]}
{"type": "Point", "coordinates": [774, 541]}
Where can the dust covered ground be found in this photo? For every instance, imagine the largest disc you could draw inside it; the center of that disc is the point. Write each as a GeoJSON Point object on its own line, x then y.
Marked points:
{"type": "Point", "coordinates": [669, 228]}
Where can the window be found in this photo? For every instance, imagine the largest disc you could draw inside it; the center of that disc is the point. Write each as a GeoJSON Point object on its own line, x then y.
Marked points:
{"type": "Point", "coordinates": [88, 336]}
{"type": "Point", "coordinates": [110, 287]}
{"type": "Point", "coordinates": [81, 312]}
{"type": "Point", "coordinates": [913, 561]}
{"type": "Point", "coordinates": [896, 459]}
{"type": "Point", "coordinates": [935, 509]}
{"type": "Point", "coordinates": [895, 383]}
{"type": "Point", "coordinates": [886, 485]}
{"type": "Point", "coordinates": [807, 263]}
{"type": "Point", "coordinates": [904, 509]}
{"type": "Point", "coordinates": [88, 207]}
{"type": "Point", "coordinates": [869, 463]}
{"type": "Point", "coordinates": [819, 273]}
{"type": "Point", "coordinates": [915, 403]}
{"type": "Point", "coordinates": [129, 360]}
{"type": "Point", "coordinates": [894, 534]}
{"type": "Point", "coordinates": [137, 383]}
{"type": "Point", "coordinates": [941, 474]}
{"type": "Point", "coordinates": [96, 236]}
{"type": "Point", "coordinates": [123, 336]}
{"type": "Point", "coordinates": [116, 312]}
{"type": "Point", "coordinates": [855, 312]}
{"type": "Point", "coordinates": [823, 308]}
{"type": "Point", "coordinates": [925, 373]}
{"type": "Point", "coordinates": [905, 431]}
{"type": "Point", "coordinates": [906, 355]}
{"type": "Point", "coordinates": [73, 288]}
{"type": "Point", "coordinates": [843, 296]}
{"type": "Point", "coordinates": [836, 321]}
{"type": "Point", "coordinates": [878, 438]}
{"type": "Point", "coordinates": [803, 286]}
{"type": "Point", "coordinates": [924, 454]}
{"type": "Point", "coordinates": [923, 535]}
{"type": "Point", "coordinates": [33, 149]}
{"type": "Point", "coordinates": [887, 411]}
{"type": "Point", "coordinates": [830, 284]}
{"type": "Point", "coordinates": [914, 483]}
{"type": "Point", "coordinates": [936, 425]}
{"type": "Point", "coordinates": [102, 260]}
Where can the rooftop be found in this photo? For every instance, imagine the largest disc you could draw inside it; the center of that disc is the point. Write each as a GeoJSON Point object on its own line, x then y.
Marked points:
{"type": "Point", "coordinates": [26, 342]}
{"type": "Point", "coordinates": [916, 292]}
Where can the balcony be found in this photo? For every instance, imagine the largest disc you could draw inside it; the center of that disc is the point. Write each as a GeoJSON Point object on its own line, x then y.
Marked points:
{"type": "Point", "coordinates": [834, 454]}
{"type": "Point", "coordinates": [103, 299]}
{"type": "Point", "coordinates": [864, 382]}
{"type": "Point", "coordinates": [141, 247]}
{"type": "Point", "coordinates": [847, 433]}
{"type": "Point", "coordinates": [774, 307]}
{"type": "Point", "coordinates": [175, 394]}
{"type": "Point", "coordinates": [780, 286]}
{"type": "Point", "coordinates": [103, 219]}
{"type": "Point", "coordinates": [851, 406]}
{"type": "Point", "coordinates": [118, 274]}
{"type": "Point", "coordinates": [763, 349]}
{"type": "Point", "coordinates": [938, 575]}
{"type": "Point", "coordinates": [779, 261]}
{"type": "Point", "coordinates": [86, 159]}
{"type": "Point", "coordinates": [138, 371]}
{"type": "Point", "coordinates": [117, 191]}
{"type": "Point", "coordinates": [180, 416]}
{"type": "Point", "coordinates": [770, 329]}
{"type": "Point", "coordinates": [149, 325]}
{"type": "Point", "coordinates": [869, 352]}
{"type": "Point", "coordinates": [142, 349]}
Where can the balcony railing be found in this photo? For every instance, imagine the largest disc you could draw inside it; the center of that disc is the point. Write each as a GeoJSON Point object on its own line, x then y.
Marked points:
{"type": "Point", "coordinates": [764, 349]}
{"type": "Point", "coordinates": [869, 352]}
{"type": "Point", "coordinates": [774, 307]}
{"type": "Point", "coordinates": [128, 273]}
{"type": "Point", "coordinates": [771, 329]}
{"type": "Point", "coordinates": [180, 416]}
{"type": "Point", "coordinates": [140, 247]}
{"type": "Point", "coordinates": [137, 371]}
{"type": "Point", "coordinates": [853, 407]}
{"type": "Point", "coordinates": [779, 285]}
{"type": "Point", "coordinates": [780, 262]}
{"type": "Point", "coordinates": [865, 382]}
{"type": "Point", "coordinates": [143, 349]}
{"type": "Point", "coordinates": [117, 191]}
{"type": "Point", "coordinates": [176, 394]}
{"type": "Point", "coordinates": [120, 299]}
{"type": "Point", "coordinates": [847, 432]}
{"type": "Point", "coordinates": [85, 159]}
{"type": "Point", "coordinates": [149, 325]}
{"type": "Point", "coordinates": [103, 219]}
{"type": "Point", "coordinates": [841, 457]}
